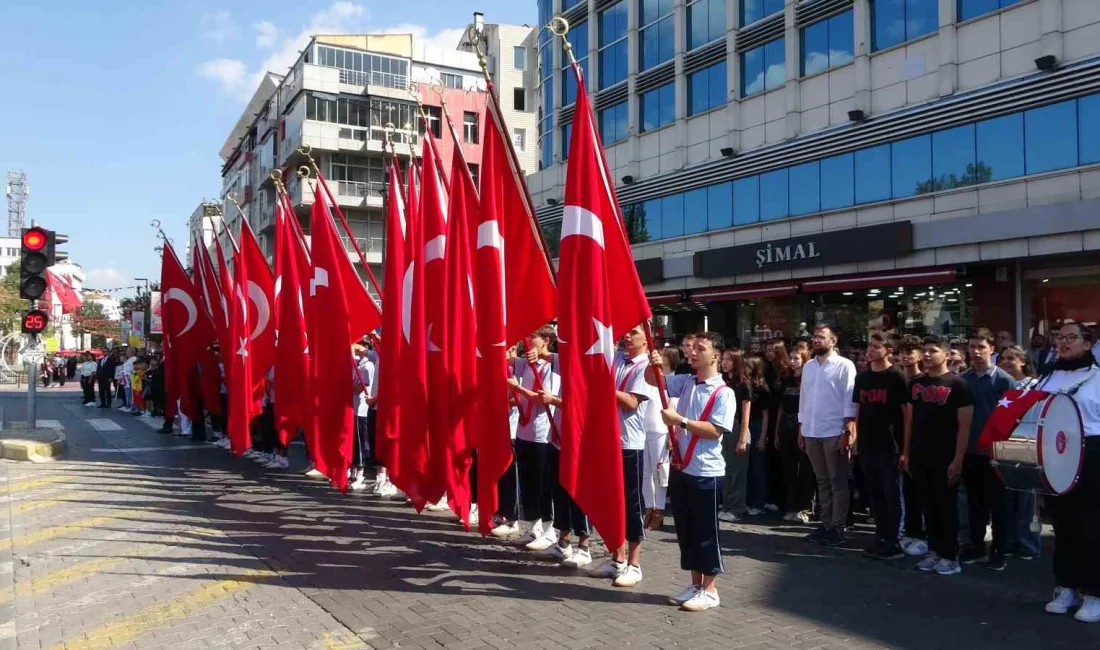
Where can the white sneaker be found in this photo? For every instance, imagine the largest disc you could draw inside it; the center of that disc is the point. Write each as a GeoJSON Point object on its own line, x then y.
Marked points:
{"type": "Point", "coordinates": [790, 516]}
{"type": "Point", "coordinates": [224, 443]}
{"type": "Point", "coordinates": [358, 484]}
{"type": "Point", "coordinates": [701, 601]}
{"type": "Point", "coordinates": [581, 557]}
{"type": "Point", "coordinates": [683, 596]}
{"type": "Point", "coordinates": [609, 569]}
{"type": "Point", "coordinates": [474, 515]}
{"type": "Point", "coordinates": [504, 529]}
{"type": "Point", "coordinates": [390, 491]}
{"type": "Point", "coordinates": [947, 567]}
{"type": "Point", "coordinates": [531, 535]}
{"type": "Point", "coordinates": [281, 462]}
{"type": "Point", "coordinates": [549, 538]}
{"type": "Point", "coordinates": [146, 416]}
{"type": "Point", "coordinates": [380, 482]}
{"type": "Point", "coordinates": [804, 517]}
{"type": "Point", "coordinates": [438, 506]}
{"type": "Point", "coordinates": [1090, 610]}
{"type": "Point", "coordinates": [928, 564]}
{"type": "Point", "coordinates": [89, 403]}
{"type": "Point", "coordinates": [728, 517]}
{"type": "Point", "coordinates": [628, 578]}
{"type": "Point", "coordinates": [753, 512]}
{"type": "Point", "coordinates": [916, 548]}
{"type": "Point", "coordinates": [771, 507]}
{"type": "Point", "coordinates": [1065, 599]}
{"type": "Point", "coordinates": [313, 472]}
{"type": "Point", "coordinates": [556, 552]}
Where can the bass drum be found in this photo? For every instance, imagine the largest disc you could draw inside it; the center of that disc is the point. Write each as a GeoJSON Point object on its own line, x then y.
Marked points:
{"type": "Point", "coordinates": [1046, 449]}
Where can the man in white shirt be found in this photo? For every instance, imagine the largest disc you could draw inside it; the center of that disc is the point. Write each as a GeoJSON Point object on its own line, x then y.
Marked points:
{"type": "Point", "coordinates": [826, 422]}
{"type": "Point", "coordinates": [704, 413]}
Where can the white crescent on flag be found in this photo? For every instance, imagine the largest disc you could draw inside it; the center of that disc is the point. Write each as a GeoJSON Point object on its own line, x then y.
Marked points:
{"type": "Point", "coordinates": [263, 309]}
{"type": "Point", "coordinates": [578, 221]}
{"type": "Point", "coordinates": [176, 293]}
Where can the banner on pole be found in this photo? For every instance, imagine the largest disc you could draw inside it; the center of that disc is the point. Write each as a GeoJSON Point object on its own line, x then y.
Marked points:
{"type": "Point", "coordinates": [137, 329]}
{"type": "Point", "coordinates": [156, 325]}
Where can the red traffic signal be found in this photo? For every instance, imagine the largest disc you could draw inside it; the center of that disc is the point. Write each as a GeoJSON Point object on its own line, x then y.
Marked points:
{"type": "Point", "coordinates": [35, 321]}
{"type": "Point", "coordinates": [35, 239]}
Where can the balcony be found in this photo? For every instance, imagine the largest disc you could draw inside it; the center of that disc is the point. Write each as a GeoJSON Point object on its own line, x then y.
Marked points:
{"type": "Point", "coordinates": [357, 194]}
{"type": "Point", "coordinates": [382, 79]}
{"type": "Point", "coordinates": [371, 246]}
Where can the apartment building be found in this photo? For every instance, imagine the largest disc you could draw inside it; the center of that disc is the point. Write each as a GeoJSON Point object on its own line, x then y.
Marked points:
{"type": "Point", "coordinates": [919, 165]}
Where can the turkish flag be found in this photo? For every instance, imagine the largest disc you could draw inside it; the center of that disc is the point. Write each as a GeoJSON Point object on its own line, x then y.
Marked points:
{"type": "Point", "coordinates": [186, 325]}
{"type": "Point", "coordinates": [240, 383]}
{"type": "Point", "coordinates": [338, 317]}
{"type": "Point", "coordinates": [1013, 406]}
{"type": "Point", "coordinates": [451, 453]}
{"type": "Point", "coordinates": [387, 438]}
{"type": "Point", "coordinates": [291, 347]}
{"type": "Point", "coordinates": [410, 458]}
{"type": "Point", "coordinates": [595, 264]}
{"type": "Point", "coordinates": [258, 295]}
{"type": "Point", "coordinates": [212, 303]}
{"type": "Point", "coordinates": [212, 296]}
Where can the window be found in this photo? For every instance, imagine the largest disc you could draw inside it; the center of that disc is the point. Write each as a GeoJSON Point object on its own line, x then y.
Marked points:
{"type": "Point", "coordinates": [519, 99]}
{"type": "Point", "coordinates": [451, 80]}
{"type": "Point", "coordinates": [838, 181]}
{"type": "Point", "coordinates": [805, 188]}
{"type": "Point", "coordinates": [473, 172]}
{"type": "Point", "coordinates": [970, 8]}
{"type": "Point", "coordinates": [873, 174]}
{"type": "Point", "coordinates": [953, 160]}
{"type": "Point", "coordinates": [519, 139]}
{"type": "Point", "coordinates": [773, 195]}
{"type": "Point", "coordinates": [566, 139]}
{"type": "Point", "coordinates": [434, 116]}
{"type": "Point", "coordinates": [658, 107]}
{"type": "Point", "coordinates": [746, 200]}
{"type": "Point", "coordinates": [614, 125]}
{"type": "Point", "coordinates": [706, 22]}
{"type": "Point", "coordinates": [519, 58]}
{"type": "Point", "coordinates": [612, 63]}
{"type": "Point", "coordinates": [578, 38]}
{"type": "Point", "coordinates": [911, 164]}
{"type": "Point", "coordinates": [754, 10]}
{"type": "Point", "coordinates": [546, 150]}
{"type": "Point", "coordinates": [469, 127]}
{"type": "Point", "coordinates": [1001, 146]}
{"type": "Point", "coordinates": [719, 206]}
{"type": "Point", "coordinates": [672, 215]}
{"type": "Point", "coordinates": [897, 21]}
{"type": "Point", "coordinates": [1051, 137]}
{"type": "Point", "coordinates": [566, 4]}
{"type": "Point", "coordinates": [657, 35]}
{"type": "Point", "coordinates": [707, 88]}
{"type": "Point", "coordinates": [695, 211]}
{"type": "Point", "coordinates": [1088, 128]}
{"type": "Point", "coordinates": [763, 68]}
{"type": "Point", "coordinates": [828, 44]}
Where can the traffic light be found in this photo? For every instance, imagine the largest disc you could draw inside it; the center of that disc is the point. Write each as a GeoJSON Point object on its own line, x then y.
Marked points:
{"type": "Point", "coordinates": [35, 321]}
{"type": "Point", "coordinates": [37, 256]}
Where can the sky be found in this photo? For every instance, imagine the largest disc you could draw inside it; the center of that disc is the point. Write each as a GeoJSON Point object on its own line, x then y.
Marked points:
{"type": "Point", "coordinates": [116, 111]}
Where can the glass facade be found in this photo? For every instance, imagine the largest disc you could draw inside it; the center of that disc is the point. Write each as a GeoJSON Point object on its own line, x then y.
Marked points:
{"type": "Point", "coordinates": [754, 10]}
{"type": "Point", "coordinates": [613, 44]}
{"type": "Point", "coordinates": [706, 22]}
{"type": "Point", "coordinates": [828, 44]}
{"type": "Point", "coordinates": [362, 68]}
{"type": "Point", "coordinates": [578, 39]}
{"type": "Point", "coordinates": [658, 107]}
{"type": "Point", "coordinates": [1037, 140]}
{"type": "Point", "coordinates": [972, 8]}
{"type": "Point", "coordinates": [657, 33]}
{"type": "Point", "coordinates": [614, 123]}
{"type": "Point", "coordinates": [764, 68]}
{"type": "Point", "coordinates": [896, 21]}
{"type": "Point", "coordinates": [707, 88]}
{"type": "Point", "coordinates": [546, 87]}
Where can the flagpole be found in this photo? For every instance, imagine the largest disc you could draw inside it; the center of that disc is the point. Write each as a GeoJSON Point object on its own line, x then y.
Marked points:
{"type": "Point", "coordinates": [513, 158]}
{"type": "Point", "coordinates": [283, 197]}
{"type": "Point", "coordinates": [307, 151]}
{"type": "Point", "coordinates": [559, 27]}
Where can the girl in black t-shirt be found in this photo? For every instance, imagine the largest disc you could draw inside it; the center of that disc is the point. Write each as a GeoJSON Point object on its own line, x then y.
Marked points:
{"type": "Point", "coordinates": [735, 454]}
{"type": "Point", "coordinates": [752, 378]}
{"type": "Point", "coordinates": [798, 476]}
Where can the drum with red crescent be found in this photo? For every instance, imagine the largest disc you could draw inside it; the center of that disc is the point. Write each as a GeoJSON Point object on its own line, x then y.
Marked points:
{"type": "Point", "coordinates": [1046, 449]}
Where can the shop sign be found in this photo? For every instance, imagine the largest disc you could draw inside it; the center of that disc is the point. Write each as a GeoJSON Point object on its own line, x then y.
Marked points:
{"type": "Point", "coordinates": [838, 247]}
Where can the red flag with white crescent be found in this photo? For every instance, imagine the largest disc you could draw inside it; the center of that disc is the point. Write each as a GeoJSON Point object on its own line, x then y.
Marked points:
{"type": "Point", "coordinates": [291, 347]}
{"type": "Point", "coordinates": [387, 436]}
{"type": "Point", "coordinates": [258, 295]}
{"type": "Point", "coordinates": [1014, 404]}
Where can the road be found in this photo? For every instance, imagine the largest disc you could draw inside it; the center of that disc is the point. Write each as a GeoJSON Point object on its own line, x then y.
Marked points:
{"type": "Point", "coordinates": [140, 540]}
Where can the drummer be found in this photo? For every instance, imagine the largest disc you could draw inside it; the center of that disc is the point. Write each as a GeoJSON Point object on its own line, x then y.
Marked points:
{"type": "Point", "coordinates": [1076, 522]}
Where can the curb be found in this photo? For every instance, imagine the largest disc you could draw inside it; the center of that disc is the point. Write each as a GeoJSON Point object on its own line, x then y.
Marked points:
{"type": "Point", "coordinates": [34, 451]}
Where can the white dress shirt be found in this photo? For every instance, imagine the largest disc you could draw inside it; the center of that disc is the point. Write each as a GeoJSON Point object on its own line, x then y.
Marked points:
{"type": "Point", "coordinates": [826, 396]}
{"type": "Point", "coordinates": [537, 428]}
{"type": "Point", "coordinates": [630, 378]}
{"type": "Point", "coordinates": [707, 459]}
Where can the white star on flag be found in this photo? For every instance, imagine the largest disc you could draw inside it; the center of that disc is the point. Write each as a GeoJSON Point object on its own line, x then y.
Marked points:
{"type": "Point", "coordinates": [1004, 403]}
{"type": "Point", "coordinates": [605, 342]}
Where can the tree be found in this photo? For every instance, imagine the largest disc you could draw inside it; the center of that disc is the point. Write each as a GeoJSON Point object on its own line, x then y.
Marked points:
{"type": "Point", "coordinates": [975, 174]}
{"type": "Point", "coordinates": [11, 305]}
{"type": "Point", "coordinates": [91, 319]}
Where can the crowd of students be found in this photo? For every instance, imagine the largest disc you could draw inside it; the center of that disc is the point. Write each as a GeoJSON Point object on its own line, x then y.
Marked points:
{"type": "Point", "coordinates": [797, 432]}
{"type": "Point", "coordinates": [132, 377]}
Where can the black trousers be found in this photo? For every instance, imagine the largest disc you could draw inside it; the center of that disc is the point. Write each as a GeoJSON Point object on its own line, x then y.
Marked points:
{"type": "Point", "coordinates": [914, 512]}
{"type": "Point", "coordinates": [939, 501]}
{"type": "Point", "coordinates": [799, 482]}
{"type": "Point", "coordinates": [695, 514]}
{"type": "Point", "coordinates": [535, 480]}
{"type": "Point", "coordinates": [359, 450]}
{"type": "Point", "coordinates": [105, 392]}
{"type": "Point", "coordinates": [883, 493]}
{"type": "Point", "coordinates": [985, 501]}
{"type": "Point", "coordinates": [372, 425]}
{"type": "Point", "coordinates": [198, 424]}
{"type": "Point", "coordinates": [88, 384]}
{"type": "Point", "coordinates": [508, 491]}
{"type": "Point", "coordinates": [568, 516]}
{"type": "Point", "coordinates": [632, 489]}
{"type": "Point", "coordinates": [1077, 528]}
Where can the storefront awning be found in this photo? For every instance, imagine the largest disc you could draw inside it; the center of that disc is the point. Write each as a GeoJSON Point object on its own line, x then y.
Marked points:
{"type": "Point", "coordinates": [875, 280]}
{"type": "Point", "coordinates": [745, 292]}
{"type": "Point", "coordinates": [666, 298]}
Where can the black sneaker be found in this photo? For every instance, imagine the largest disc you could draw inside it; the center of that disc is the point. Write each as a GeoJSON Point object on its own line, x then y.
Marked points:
{"type": "Point", "coordinates": [1024, 554]}
{"type": "Point", "coordinates": [834, 538]}
{"type": "Point", "coordinates": [893, 552]}
{"type": "Point", "coordinates": [997, 562]}
{"type": "Point", "coordinates": [973, 556]}
{"type": "Point", "coordinates": [872, 552]}
{"type": "Point", "coordinates": [817, 535]}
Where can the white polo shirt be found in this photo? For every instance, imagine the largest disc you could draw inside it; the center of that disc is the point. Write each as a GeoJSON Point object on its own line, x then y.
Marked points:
{"type": "Point", "coordinates": [826, 396]}
{"type": "Point", "coordinates": [706, 461]}
{"type": "Point", "coordinates": [534, 424]}
{"type": "Point", "coordinates": [630, 378]}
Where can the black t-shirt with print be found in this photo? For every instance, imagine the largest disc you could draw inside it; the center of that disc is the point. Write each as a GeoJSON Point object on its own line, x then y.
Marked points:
{"type": "Point", "coordinates": [790, 388]}
{"type": "Point", "coordinates": [936, 403]}
{"type": "Point", "coordinates": [881, 396]}
{"type": "Point", "coordinates": [761, 398]}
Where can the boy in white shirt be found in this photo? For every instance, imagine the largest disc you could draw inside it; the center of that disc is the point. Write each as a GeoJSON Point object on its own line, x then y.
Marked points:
{"type": "Point", "coordinates": [704, 413]}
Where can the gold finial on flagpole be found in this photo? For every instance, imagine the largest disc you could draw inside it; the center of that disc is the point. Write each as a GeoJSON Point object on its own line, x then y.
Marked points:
{"type": "Point", "coordinates": [474, 38]}
{"type": "Point", "coordinates": [559, 26]}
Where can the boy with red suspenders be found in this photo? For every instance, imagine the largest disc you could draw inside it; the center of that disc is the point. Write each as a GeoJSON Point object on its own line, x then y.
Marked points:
{"type": "Point", "coordinates": [704, 414]}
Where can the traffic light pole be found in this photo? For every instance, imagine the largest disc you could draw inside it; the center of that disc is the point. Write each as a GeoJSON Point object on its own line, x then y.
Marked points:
{"type": "Point", "coordinates": [32, 387]}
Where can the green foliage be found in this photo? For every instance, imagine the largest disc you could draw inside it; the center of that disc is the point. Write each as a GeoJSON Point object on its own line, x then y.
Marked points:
{"type": "Point", "coordinates": [11, 305]}
{"type": "Point", "coordinates": [975, 174]}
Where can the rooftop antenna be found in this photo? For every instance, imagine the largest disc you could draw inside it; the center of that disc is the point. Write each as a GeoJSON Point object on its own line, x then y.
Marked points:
{"type": "Point", "coordinates": [17, 191]}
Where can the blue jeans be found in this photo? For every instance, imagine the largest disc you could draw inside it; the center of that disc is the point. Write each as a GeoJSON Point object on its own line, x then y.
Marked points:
{"type": "Point", "coordinates": [1021, 510]}
{"type": "Point", "coordinates": [756, 492]}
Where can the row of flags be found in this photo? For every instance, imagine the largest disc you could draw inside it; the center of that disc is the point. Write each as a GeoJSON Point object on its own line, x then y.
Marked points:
{"type": "Point", "coordinates": [467, 275]}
